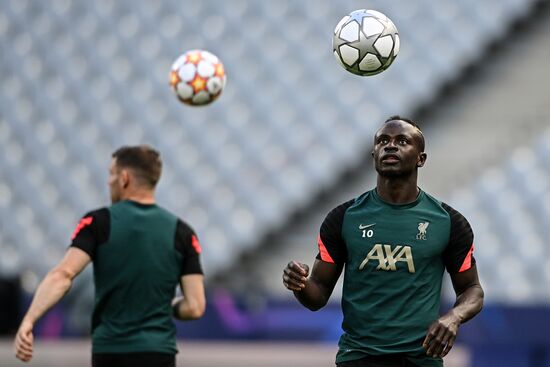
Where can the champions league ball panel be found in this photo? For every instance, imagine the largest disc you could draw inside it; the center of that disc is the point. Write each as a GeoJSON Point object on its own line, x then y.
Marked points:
{"type": "Point", "coordinates": [184, 91]}
{"type": "Point", "coordinates": [349, 55]}
{"type": "Point", "coordinates": [384, 46]}
{"type": "Point", "coordinates": [210, 57]}
{"type": "Point", "coordinates": [370, 63]}
{"type": "Point", "coordinates": [377, 14]}
{"type": "Point", "coordinates": [206, 69]}
{"type": "Point", "coordinates": [187, 72]}
{"type": "Point", "coordinates": [341, 23]}
{"type": "Point", "coordinates": [197, 77]}
{"type": "Point", "coordinates": [350, 32]}
{"type": "Point", "coordinates": [372, 27]}
{"type": "Point", "coordinates": [396, 46]}
{"type": "Point", "coordinates": [214, 85]}
{"type": "Point", "coordinates": [365, 42]}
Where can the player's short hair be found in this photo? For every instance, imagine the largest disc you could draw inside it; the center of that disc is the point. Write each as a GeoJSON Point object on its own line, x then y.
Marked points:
{"type": "Point", "coordinates": [143, 160]}
{"type": "Point", "coordinates": [411, 122]}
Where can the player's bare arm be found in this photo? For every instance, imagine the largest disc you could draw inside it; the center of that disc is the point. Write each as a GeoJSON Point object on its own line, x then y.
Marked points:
{"type": "Point", "coordinates": [192, 304]}
{"type": "Point", "coordinates": [469, 302]}
{"type": "Point", "coordinates": [50, 291]}
{"type": "Point", "coordinates": [312, 290]}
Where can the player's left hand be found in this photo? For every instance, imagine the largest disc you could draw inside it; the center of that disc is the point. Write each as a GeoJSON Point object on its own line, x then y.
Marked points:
{"type": "Point", "coordinates": [441, 335]}
{"type": "Point", "coordinates": [24, 341]}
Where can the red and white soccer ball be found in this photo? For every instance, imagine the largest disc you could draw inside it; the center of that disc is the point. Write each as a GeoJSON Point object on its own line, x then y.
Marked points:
{"type": "Point", "coordinates": [365, 42]}
{"type": "Point", "coordinates": [197, 77]}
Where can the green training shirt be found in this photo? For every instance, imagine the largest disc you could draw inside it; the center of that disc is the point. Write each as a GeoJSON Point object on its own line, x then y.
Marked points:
{"type": "Point", "coordinates": [394, 258]}
{"type": "Point", "coordinates": [139, 254]}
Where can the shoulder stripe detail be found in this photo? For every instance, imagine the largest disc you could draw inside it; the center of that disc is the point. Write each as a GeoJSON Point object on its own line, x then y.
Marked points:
{"type": "Point", "coordinates": [325, 256]}
{"type": "Point", "coordinates": [196, 244]}
{"type": "Point", "coordinates": [83, 223]}
{"type": "Point", "coordinates": [467, 264]}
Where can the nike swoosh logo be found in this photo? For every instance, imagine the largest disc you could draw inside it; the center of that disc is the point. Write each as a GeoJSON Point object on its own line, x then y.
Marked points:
{"type": "Point", "coordinates": [361, 226]}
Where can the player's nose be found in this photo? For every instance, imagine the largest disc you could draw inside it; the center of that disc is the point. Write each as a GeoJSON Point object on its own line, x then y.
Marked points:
{"type": "Point", "coordinates": [391, 146]}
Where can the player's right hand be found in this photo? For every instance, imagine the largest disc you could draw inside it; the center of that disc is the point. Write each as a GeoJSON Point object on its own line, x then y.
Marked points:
{"type": "Point", "coordinates": [295, 276]}
{"type": "Point", "coordinates": [24, 341]}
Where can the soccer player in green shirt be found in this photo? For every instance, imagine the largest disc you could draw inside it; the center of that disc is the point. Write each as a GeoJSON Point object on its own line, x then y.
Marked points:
{"type": "Point", "coordinates": [393, 244]}
{"type": "Point", "coordinates": [140, 252]}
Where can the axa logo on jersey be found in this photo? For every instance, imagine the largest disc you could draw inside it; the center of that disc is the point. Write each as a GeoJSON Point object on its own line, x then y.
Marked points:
{"type": "Point", "coordinates": [388, 257]}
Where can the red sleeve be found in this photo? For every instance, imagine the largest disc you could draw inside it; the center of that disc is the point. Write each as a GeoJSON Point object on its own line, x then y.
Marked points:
{"type": "Point", "coordinates": [458, 255]}
{"type": "Point", "coordinates": [332, 248]}
{"type": "Point", "coordinates": [91, 231]}
{"type": "Point", "coordinates": [188, 245]}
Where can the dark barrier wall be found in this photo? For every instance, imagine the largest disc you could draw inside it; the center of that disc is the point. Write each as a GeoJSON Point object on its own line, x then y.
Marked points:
{"type": "Point", "coordinates": [502, 335]}
{"type": "Point", "coordinates": [10, 297]}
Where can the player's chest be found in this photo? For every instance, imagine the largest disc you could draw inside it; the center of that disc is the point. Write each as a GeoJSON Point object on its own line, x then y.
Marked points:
{"type": "Point", "coordinates": [390, 240]}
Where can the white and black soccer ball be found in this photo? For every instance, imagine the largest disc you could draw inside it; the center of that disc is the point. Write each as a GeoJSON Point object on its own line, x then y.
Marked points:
{"type": "Point", "coordinates": [197, 77]}
{"type": "Point", "coordinates": [365, 42]}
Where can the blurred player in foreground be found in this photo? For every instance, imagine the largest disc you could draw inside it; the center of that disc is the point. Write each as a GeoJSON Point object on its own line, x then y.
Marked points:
{"type": "Point", "coordinates": [395, 242]}
{"type": "Point", "coordinates": [141, 252]}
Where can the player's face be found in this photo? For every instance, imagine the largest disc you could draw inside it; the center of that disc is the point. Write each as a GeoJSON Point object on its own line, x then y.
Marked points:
{"type": "Point", "coordinates": [397, 149]}
{"type": "Point", "coordinates": [114, 181]}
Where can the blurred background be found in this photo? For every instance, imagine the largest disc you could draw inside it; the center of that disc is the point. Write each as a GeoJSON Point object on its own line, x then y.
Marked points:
{"type": "Point", "coordinates": [256, 172]}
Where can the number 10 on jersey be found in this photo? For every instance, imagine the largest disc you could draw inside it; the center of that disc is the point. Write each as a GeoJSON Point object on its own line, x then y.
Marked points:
{"type": "Point", "coordinates": [367, 233]}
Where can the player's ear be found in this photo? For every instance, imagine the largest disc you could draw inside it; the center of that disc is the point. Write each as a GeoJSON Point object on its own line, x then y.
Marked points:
{"type": "Point", "coordinates": [421, 159]}
{"type": "Point", "coordinates": [372, 153]}
{"type": "Point", "coordinates": [124, 178]}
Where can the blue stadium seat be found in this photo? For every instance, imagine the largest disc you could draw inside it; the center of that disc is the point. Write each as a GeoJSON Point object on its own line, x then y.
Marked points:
{"type": "Point", "coordinates": [79, 79]}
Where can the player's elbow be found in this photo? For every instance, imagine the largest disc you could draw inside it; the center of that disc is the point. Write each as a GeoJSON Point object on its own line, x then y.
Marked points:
{"type": "Point", "coordinates": [60, 277]}
{"type": "Point", "coordinates": [474, 296]}
{"type": "Point", "coordinates": [197, 311]}
{"type": "Point", "coordinates": [481, 297]}
{"type": "Point", "coordinates": [478, 295]}
{"type": "Point", "coordinates": [315, 305]}
{"type": "Point", "coordinates": [191, 309]}
{"type": "Point", "coordinates": [196, 314]}
{"type": "Point", "coordinates": [313, 301]}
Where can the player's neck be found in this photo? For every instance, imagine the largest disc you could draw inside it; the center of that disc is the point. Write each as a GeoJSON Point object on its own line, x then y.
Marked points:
{"type": "Point", "coordinates": [141, 196]}
{"type": "Point", "coordinates": [397, 190]}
